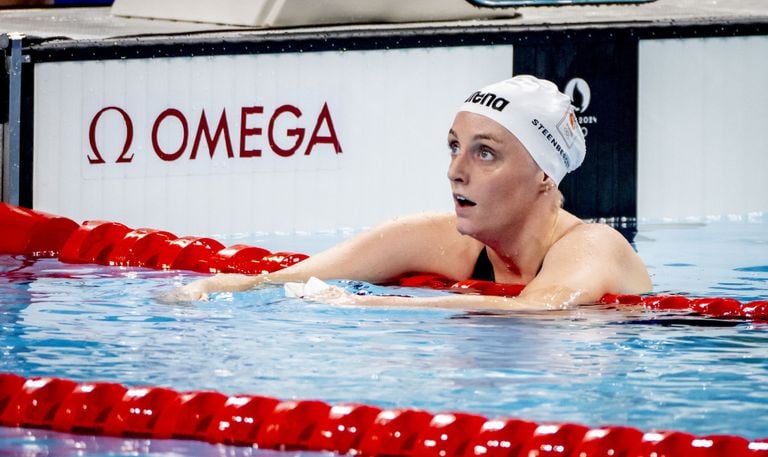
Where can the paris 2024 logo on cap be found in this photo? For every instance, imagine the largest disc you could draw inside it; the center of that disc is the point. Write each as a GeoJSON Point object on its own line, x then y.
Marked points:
{"type": "Point", "coordinates": [581, 96]}
{"type": "Point", "coordinates": [567, 127]}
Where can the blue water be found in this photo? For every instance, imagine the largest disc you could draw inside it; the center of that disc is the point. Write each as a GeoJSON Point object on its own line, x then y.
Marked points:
{"type": "Point", "coordinates": [594, 365]}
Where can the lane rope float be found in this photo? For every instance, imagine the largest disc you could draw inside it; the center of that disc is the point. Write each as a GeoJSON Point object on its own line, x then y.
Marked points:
{"type": "Point", "coordinates": [103, 408]}
{"type": "Point", "coordinates": [37, 234]}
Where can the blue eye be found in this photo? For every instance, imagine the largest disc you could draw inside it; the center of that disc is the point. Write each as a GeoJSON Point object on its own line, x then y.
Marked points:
{"type": "Point", "coordinates": [453, 148]}
{"type": "Point", "coordinates": [485, 154]}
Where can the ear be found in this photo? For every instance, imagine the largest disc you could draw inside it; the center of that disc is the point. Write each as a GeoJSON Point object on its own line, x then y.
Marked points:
{"type": "Point", "coordinates": [547, 184]}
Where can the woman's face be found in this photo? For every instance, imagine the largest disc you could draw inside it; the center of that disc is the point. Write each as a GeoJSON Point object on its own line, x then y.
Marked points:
{"type": "Point", "coordinates": [493, 178]}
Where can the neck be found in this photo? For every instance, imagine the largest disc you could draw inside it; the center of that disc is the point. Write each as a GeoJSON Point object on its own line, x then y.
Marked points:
{"type": "Point", "coordinates": [518, 255]}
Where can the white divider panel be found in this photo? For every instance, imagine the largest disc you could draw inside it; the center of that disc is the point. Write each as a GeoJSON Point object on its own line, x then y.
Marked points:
{"type": "Point", "coordinates": [306, 141]}
{"type": "Point", "coordinates": [703, 142]}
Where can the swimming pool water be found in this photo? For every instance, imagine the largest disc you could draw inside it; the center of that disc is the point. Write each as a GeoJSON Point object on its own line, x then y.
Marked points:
{"type": "Point", "coordinates": [594, 365]}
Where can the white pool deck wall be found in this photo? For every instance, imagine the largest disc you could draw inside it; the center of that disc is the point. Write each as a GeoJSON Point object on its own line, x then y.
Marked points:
{"type": "Point", "coordinates": [291, 13]}
{"type": "Point", "coordinates": [702, 142]}
{"type": "Point", "coordinates": [702, 127]}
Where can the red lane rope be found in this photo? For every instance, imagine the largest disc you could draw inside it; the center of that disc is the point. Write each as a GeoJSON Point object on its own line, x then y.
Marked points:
{"type": "Point", "coordinates": [113, 409]}
{"type": "Point", "coordinates": [102, 408]}
{"type": "Point", "coordinates": [37, 234]}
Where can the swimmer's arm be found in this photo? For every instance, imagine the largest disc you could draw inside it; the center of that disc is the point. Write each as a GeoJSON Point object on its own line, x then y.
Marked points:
{"type": "Point", "coordinates": [378, 255]}
{"type": "Point", "coordinates": [316, 290]}
{"type": "Point", "coordinates": [199, 289]}
{"type": "Point", "coordinates": [580, 269]}
{"type": "Point", "coordinates": [455, 301]}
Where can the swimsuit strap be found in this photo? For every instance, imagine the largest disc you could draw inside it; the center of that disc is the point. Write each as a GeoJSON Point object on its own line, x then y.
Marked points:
{"type": "Point", "coordinates": [483, 268]}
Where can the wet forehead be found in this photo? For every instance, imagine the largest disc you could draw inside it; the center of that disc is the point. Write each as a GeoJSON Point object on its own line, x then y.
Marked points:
{"type": "Point", "coordinates": [475, 127]}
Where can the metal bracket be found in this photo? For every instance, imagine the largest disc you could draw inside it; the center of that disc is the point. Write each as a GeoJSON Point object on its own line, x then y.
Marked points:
{"type": "Point", "coordinates": [12, 130]}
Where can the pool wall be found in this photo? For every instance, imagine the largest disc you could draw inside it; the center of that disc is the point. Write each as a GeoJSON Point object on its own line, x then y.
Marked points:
{"type": "Point", "coordinates": [310, 129]}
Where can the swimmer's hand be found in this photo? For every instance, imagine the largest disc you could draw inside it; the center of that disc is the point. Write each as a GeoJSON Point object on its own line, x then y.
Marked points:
{"type": "Point", "coordinates": [199, 290]}
{"type": "Point", "coordinates": [317, 290]}
{"type": "Point", "coordinates": [186, 293]}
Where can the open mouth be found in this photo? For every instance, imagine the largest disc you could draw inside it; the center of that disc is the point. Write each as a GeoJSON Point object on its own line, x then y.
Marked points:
{"type": "Point", "coordinates": [463, 201]}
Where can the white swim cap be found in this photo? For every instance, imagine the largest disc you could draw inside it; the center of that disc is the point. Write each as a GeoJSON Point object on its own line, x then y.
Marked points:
{"type": "Point", "coordinates": [540, 116]}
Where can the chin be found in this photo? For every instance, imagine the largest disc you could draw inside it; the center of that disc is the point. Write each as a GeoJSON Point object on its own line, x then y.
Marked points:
{"type": "Point", "coordinates": [465, 227]}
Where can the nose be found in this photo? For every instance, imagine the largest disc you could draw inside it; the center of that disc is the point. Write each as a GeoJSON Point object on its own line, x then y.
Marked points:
{"type": "Point", "coordinates": [457, 169]}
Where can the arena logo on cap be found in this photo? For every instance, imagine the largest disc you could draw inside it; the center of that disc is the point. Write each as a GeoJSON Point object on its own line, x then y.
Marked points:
{"type": "Point", "coordinates": [490, 100]}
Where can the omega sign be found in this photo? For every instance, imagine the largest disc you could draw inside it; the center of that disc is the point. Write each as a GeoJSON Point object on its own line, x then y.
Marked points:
{"type": "Point", "coordinates": [288, 131]}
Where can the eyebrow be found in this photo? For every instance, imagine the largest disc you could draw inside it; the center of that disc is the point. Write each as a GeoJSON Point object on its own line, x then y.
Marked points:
{"type": "Point", "coordinates": [479, 136]}
{"type": "Point", "coordinates": [485, 136]}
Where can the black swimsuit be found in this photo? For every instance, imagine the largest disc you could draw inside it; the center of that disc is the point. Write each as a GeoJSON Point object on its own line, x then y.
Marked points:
{"type": "Point", "coordinates": [483, 267]}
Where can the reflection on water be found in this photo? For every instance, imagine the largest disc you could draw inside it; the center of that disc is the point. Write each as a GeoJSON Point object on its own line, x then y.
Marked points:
{"type": "Point", "coordinates": [717, 259]}
{"type": "Point", "coordinates": [44, 443]}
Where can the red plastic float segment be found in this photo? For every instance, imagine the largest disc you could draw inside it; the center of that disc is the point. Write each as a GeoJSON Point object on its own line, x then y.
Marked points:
{"type": "Point", "coordinates": [37, 402]}
{"type": "Point", "coordinates": [239, 258]}
{"type": "Point", "coordinates": [344, 428]}
{"type": "Point", "coordinates": [664, 302]}
{"type": "Point", "coordinates": [15, 227]}
{"type": "Point", "coordinates": [717, 307]}
{"type": "Point", "coordinates": [758, 448]}
{"type": "Point", "coordinates": [292, 424]}
{"type": "Point", "coordinates": [394, 432]}
{"type": "Point", "coordinates": [92, 242]}
{"type": "Point", "coordinates": [279, 260]}
{"type": "Point", "coordinates": [501, 438]}
{"type": "Point", "coordinates": [756, 310]}
{"type": "Point", "coordinates": [148, 412]}
{"type": "Point", "coordinates": [139, 248]}
{"type": "Point", "coordinates": [720, 445]}
{"type": "Point", "coordinates": [432, 281]}
{"type": "Point", "coordinates": [49, 236]}
{"type": "Point", "coordinates": [621, 299]}
{"type": "Point", "coordinates": [554, 440]}
{"type": "Point", "coordinates": [188, 253]}
{"type": "Point", "coordinates": [448, 435]}
{"type": "Point", "coordinates": [665, 444]}
{"type": "Point", "coordinates": [10, 387]}
{"type": "Point", "coordinates": [87, 408]}
{"type": "Point", "coordinates": [32, 233]}
{"type": "Point", "coordinates": [195, 414]}
{"type": "Point", "coordinates": [489, 288]}
{"type": "Point", "coordinates": [240, 419]}
{"type": "Point", "coordinates": [609, 442]}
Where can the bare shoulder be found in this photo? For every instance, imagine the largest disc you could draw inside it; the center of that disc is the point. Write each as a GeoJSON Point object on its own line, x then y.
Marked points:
{"type": "Point", "coordinates": [431, 243]}
{"type": "Point", "coordinates": [602, 250]}
{"type": "Point", "coordinates": [596, 235]}
{"type": "Point", "coordinates": [441, 221]}
{"type": "Point", "coordinates": [424, 228]}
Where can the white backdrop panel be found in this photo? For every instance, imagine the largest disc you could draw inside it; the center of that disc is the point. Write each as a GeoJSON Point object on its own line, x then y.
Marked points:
{"type": "Point", "coordinates": [703, 146]}
{"type": "Point", "coordinates": [387, 111]}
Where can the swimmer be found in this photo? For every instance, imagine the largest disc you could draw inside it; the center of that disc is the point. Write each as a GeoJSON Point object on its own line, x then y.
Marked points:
{"type": "Point", "coordinates": [510, 145]}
